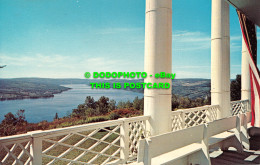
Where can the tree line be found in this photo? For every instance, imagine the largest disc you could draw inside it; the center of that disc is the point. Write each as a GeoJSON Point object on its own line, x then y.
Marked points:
{"type": "Point", "coordinates": [101, 110]}
{"type": "Point", "coordinates": [90, 111]}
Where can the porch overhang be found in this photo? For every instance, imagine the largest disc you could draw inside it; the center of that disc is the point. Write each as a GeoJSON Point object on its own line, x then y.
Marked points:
{"type": "Point", "coordinates": [251, 8]}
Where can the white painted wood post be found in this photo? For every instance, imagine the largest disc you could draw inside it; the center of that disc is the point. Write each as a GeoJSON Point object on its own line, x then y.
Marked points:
{"type": "Point", "coordinates": [220, 57]}
{"type": "Point", "coordinates": [124, 141]}
{"type": "Point", "coordinates": [36, 150]}
{"type": "Point", "coordinates": [244, 135]}
{"type": "Point", "coordinates": [205, 145]}
{"type": "Point", "coordinates": [208, 117]}
{"type": "Point", "coordinates": [245, 76]}
{"type": "Point", "coordinates": [183, 119]}
{"type": "Point", "coordinates": [158, 58]}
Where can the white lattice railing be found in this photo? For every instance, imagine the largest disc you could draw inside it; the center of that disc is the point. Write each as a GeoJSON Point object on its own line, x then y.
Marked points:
{"type": "Point", "coordinates": [16, 150]}
{"type": "Point", "coordinates": [186, 118]}
{"type": "Point", "coordinates": [239, 107]}
{"type": "Point", "coordinates": [95, 143]}
{"type": "Point", "coordinates": [136, 128]}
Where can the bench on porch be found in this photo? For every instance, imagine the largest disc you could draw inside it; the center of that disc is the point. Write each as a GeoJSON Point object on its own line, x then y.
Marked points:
{"type": "Point", "coordinates": [192, 145]}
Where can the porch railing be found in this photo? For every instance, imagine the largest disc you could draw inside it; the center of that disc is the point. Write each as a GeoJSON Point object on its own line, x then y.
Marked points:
{"type": "Point", "coordinates": [98, 143]}
{"type": "Point", "coordinates": [185, 118]}
{"type": "Point", "coordinates": [239, 107]}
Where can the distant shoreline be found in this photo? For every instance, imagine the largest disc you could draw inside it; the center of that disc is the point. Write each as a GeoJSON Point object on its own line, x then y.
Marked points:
{"type": "Point", "coordinates": [34, 88]}
{"type": "Point", "coordinates": [31, 95]}
{"type": "Point", "coordinates": [13, 89]}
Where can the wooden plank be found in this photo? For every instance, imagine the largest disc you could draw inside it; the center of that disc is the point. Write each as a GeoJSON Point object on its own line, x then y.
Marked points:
{"type": "Point", "coordinates": [170, 141]}
{"type": "Point", "coordinates": [221, 125]}
{"type": "Point", "coordinates": [220, 137]}
{"type": "Point", "coordinates": [176, 154]}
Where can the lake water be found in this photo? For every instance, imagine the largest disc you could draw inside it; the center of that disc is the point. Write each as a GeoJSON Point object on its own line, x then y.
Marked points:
{"type": "Point", "coordinates": [45, 108]}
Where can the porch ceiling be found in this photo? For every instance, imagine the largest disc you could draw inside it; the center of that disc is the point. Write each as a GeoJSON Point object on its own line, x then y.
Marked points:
{"type": "Point", "coordinates": [251, 8]}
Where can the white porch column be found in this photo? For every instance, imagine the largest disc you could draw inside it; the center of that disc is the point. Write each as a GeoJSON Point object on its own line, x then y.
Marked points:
{"type": "Point", "coordinates": [158, 58]}
{"type": "Point", "coordinates": [220, 57]}
{"type": "Point", "coordinates": [245, 75]}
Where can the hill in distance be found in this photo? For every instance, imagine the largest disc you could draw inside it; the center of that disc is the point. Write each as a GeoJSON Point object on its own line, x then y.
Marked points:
{"type": "Point", "coordinates": [21, 88]}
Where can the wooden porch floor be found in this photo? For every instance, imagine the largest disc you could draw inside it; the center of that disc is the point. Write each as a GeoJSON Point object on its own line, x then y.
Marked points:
{"type": "Point", "coordinates": [250, 157]}
{"type": "Point", "coordinates": [235, 158]}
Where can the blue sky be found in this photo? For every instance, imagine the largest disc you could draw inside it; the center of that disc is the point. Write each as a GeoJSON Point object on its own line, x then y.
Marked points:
{"type": "Point", "coordinates": [66, 38]}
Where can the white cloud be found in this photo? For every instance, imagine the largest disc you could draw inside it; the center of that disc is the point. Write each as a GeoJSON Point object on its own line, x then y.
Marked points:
{"type": "Point", "coordinates": [189, 41]}
{"type": "Point", "coordinates": [38, 60]}
{"type": "Point", "coordinates": [59, 66]}
{"type": "Point", "coordinates": [236, 66]}
{"type": "Point", "coordinates": [191, 74]}
{"type": "Point", "coordinates": [185, 36]}
{"type": "Point", "coordinates": [236, 38]}
{"type": "Point", "coordinates": [191, 67]}
{"type": "Point", "coordinates": [117, 30]}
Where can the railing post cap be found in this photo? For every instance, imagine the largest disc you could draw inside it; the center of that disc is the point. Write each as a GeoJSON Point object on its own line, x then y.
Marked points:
{"type": "Point", "coordinates": [123, 118]}
{"type": "Point", "coordinates": [33, 132]}
{"type": "Point", "coordinates": [36, 133]}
